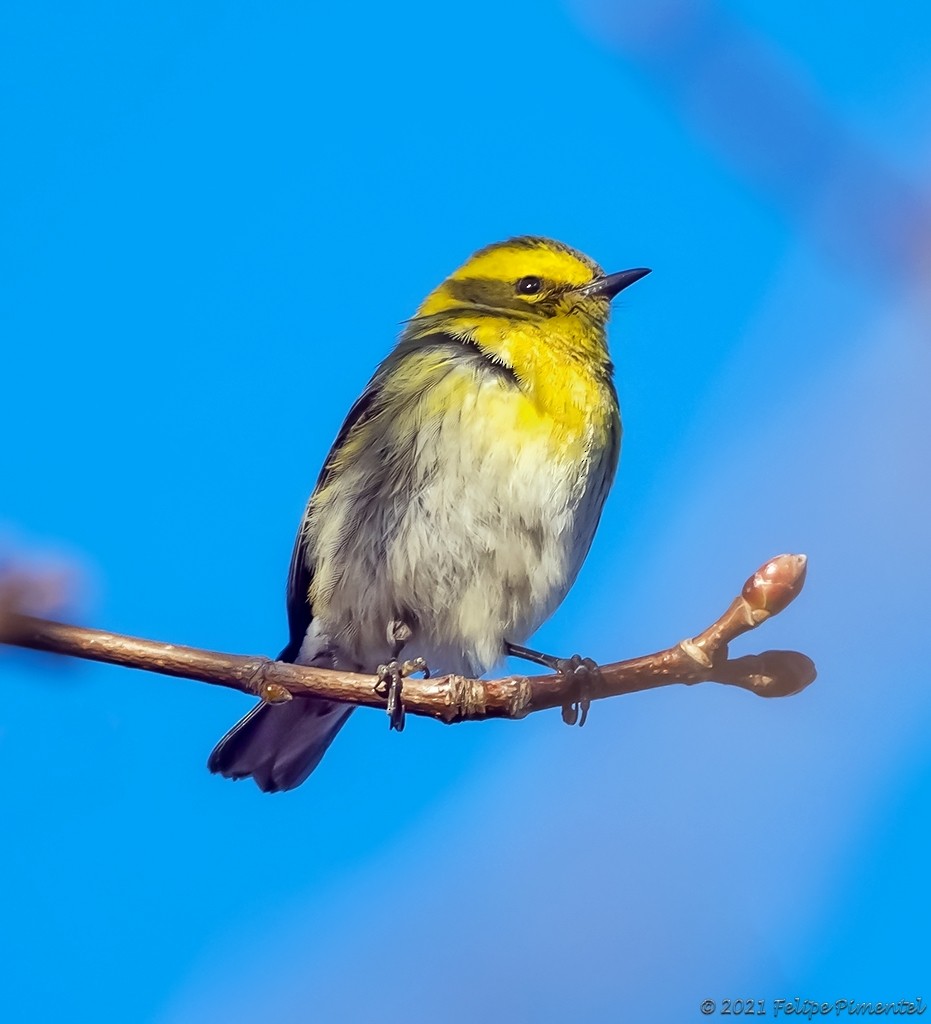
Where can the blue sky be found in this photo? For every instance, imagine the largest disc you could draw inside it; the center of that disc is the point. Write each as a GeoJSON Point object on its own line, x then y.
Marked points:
{"type": "Point", "coordinates": [214, 218]}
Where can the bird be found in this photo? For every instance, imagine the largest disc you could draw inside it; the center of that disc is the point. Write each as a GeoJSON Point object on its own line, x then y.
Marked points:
{"type": "Point", "coordinates": [459, 499]}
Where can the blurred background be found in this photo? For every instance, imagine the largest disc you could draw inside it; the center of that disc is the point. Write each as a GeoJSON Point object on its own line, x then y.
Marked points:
{"type": "Point", "coordinates": [213, 219]}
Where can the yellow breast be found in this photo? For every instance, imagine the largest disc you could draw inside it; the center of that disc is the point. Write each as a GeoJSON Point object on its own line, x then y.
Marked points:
{"type": "Point", "coordinates": [565, 381]}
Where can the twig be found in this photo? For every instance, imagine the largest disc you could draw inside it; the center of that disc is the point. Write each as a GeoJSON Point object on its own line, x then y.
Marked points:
{"type": "Point", "coordinates": [699, 659]}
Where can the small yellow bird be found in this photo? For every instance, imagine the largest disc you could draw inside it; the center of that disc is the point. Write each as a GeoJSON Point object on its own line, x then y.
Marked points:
{"type": "Point", "coordinates": [459, 499]}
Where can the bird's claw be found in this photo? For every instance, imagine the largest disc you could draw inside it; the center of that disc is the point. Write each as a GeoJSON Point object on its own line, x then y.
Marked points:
{"type": "Point", "coordinates": [390, 683]}
{"type": "Point", "coordinates": [581, 671]}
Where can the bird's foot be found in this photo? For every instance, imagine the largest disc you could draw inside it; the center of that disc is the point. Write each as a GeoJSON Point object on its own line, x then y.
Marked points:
{"type": "Point", "coordinates": [581, 671]}
{"type": "Point", "coordinates": [390, 683]}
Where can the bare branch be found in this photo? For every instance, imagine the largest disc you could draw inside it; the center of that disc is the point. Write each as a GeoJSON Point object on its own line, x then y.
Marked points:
{"type": "Point", "coordinates": [699, 659]}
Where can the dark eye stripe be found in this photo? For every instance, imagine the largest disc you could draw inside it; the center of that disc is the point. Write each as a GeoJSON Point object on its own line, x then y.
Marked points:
{"type": "Point", "coordinates": [478, 291]}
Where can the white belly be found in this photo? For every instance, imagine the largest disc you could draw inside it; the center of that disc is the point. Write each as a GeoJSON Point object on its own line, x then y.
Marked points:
{"type": "Point", "coordinates": [472, 542]}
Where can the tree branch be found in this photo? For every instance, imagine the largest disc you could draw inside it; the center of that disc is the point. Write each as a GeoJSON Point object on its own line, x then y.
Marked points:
{"type": "Point", "coordinates": [700, 659]}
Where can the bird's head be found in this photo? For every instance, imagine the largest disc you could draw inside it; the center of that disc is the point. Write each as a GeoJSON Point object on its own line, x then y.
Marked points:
{"type": "Point", "coordinates": [526, 287]}
{"type": "Point", "coordinates": [530, 303]}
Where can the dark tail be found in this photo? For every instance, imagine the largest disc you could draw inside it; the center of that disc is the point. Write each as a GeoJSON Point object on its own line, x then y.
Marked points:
{"type": "Point", "coordinates": [279, 745]}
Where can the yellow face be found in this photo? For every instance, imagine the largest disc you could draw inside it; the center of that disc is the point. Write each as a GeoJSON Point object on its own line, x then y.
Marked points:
{"type": "Point", "coordinates": [522, 279]}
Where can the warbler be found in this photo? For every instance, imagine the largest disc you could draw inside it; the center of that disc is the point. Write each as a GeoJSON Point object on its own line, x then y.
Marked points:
{"type": "Point", "coordinates": [459, 499]}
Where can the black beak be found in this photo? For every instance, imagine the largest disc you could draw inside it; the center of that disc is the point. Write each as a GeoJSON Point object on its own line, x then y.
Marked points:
{"type": "Point", "coordinates": [611, 284]}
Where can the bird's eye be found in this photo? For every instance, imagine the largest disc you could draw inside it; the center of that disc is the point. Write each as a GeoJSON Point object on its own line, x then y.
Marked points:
{"type": "Point", "coordinates": [529, 285]}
